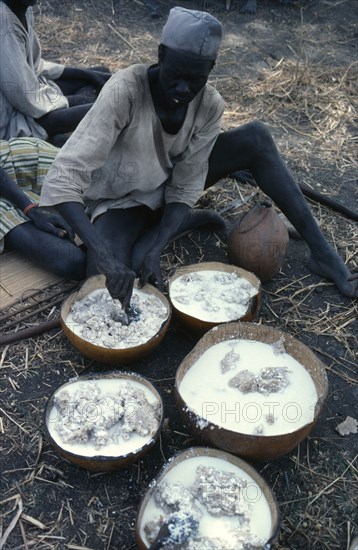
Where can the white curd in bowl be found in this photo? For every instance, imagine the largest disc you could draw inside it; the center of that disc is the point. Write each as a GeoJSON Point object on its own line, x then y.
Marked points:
{"type": "Point", "coordinates": [104, 417]}
{"type": "Point", "coordinates": [228, 503]}
{"type": "Point", "coordinates": [98, 319]}
{"type": "Point", "coordinates": [211, 295]}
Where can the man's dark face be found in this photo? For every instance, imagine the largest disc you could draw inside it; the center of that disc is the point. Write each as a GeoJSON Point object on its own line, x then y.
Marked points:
{"type": "Point", "coordinates": [182, 77]}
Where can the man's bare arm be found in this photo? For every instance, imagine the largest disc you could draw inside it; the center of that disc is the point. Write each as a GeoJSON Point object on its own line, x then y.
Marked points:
{"type": "Point", "coordinates": [172, 219]}
{"type": "Point", "coordinates": [119, 278]}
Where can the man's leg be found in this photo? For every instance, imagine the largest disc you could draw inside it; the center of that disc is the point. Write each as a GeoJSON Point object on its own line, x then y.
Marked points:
{"type": "Point", "coordinates": [71, 86]}
{"type": "Point", "coordinates": [251, 147]}
{"type": "Point", "coordinates": [120, 229]}
{"type": "Point", "coordinates": [61, 256]}
{"type": "Point", "coordinates": [63, 120]}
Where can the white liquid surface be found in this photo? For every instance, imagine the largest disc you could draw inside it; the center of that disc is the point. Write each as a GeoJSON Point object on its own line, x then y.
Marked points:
{"type": "Point", "coordinates": [216, 526]}
{"type": "Point", "coordinates": [215, 296]}
{"type": "Point", "coordinates": [206, 392]}
{"type": "Point", "coordinates": [108, 388]}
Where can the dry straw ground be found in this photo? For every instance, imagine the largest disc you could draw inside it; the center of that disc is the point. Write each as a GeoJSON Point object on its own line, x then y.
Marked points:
{"type": "Point", "coordinates": [295, 67]}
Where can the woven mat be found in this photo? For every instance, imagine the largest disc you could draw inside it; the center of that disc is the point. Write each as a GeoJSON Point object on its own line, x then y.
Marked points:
{"type": "Point", "coordinates": [20, 279]}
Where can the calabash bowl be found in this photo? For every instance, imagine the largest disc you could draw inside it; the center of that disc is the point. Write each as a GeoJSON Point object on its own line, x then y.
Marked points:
{"type": "Point", "coordinates": [100, 353]}
{"type": "Point", "coordinates": [253, 447]}
{"type": "Point", "coordinates": [254, 479]}
{"type": "Point", "coordinates": [200, 326]}
{"type": "Point", "coordinates": [101, 462]}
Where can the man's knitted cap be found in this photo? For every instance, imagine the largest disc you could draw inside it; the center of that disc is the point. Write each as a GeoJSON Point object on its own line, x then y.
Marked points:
{"type": "Point", "coordinates": [194, 33]}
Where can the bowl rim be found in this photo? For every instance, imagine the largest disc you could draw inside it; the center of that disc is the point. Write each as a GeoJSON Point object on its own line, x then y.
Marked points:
{"type": "Point", "coordinates": [227, 327]}
{"type": "Point", "coordinates": [129, 375]}
{"type": "Point", "coordinates": [96, 347]}
{"type": "Point", "coordinates": [216, 266]}
{"type": "Point", "coordinates": [207, 451]}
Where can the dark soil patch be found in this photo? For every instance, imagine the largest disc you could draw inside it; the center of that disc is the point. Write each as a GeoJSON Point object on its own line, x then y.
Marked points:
{"type": "Point", "coordinates": [294, 67]}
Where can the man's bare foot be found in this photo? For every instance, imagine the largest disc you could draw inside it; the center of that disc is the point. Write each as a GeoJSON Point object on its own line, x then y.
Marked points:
{"type": "Point", "coordinates": [332, 267]}
{"type": "Point", "coordinates": [198, 217]}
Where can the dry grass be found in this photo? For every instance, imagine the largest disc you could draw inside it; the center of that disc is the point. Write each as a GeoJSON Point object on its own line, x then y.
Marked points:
{"type": "Point", "coordinates": [320, 98]}
{"type": "Point", "coordinates": [312, 109]}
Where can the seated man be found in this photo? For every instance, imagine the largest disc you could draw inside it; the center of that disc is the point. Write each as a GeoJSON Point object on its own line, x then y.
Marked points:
{"type": "Point", "coordinates": [152, 143]}
{"type": "Point", "coordinates": [43, 237]}
{"type": "Point", "coordinates": [38, 98]}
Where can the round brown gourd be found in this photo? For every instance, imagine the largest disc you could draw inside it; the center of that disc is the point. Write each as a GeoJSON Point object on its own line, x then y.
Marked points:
{"type": "Point", "coordinates": [258, 242]}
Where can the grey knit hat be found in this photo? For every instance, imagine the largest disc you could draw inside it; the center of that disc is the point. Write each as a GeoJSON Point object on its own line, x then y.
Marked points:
{"type": "Point", "coordinates": [194, 33]}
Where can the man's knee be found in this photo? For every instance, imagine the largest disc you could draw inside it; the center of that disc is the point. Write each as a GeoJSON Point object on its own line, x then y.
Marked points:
{"type": "Point", "coordinates": [260, 137]}
{"type": "Point", "coordinates": [252, 140]}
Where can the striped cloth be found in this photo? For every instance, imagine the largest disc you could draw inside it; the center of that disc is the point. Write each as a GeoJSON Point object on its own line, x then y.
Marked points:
{"type": "Point", "coordinates": [26, 161]}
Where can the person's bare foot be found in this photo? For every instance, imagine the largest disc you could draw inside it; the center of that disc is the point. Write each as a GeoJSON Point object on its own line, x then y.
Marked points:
{"type": "Point", "coordinates": [331, 266]}
{"type": "Point", "coordinates": [198, 217]}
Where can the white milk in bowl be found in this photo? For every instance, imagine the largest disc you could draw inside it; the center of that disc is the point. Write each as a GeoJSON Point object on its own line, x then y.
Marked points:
{"type": "Point", "coordinates": [249, 387]}
{"type": "Point", "coordinates": [228, 505]}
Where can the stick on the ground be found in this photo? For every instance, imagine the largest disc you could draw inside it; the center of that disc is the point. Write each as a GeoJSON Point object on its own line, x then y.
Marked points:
{"type": "Point", "coordinates": [13, 337]}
